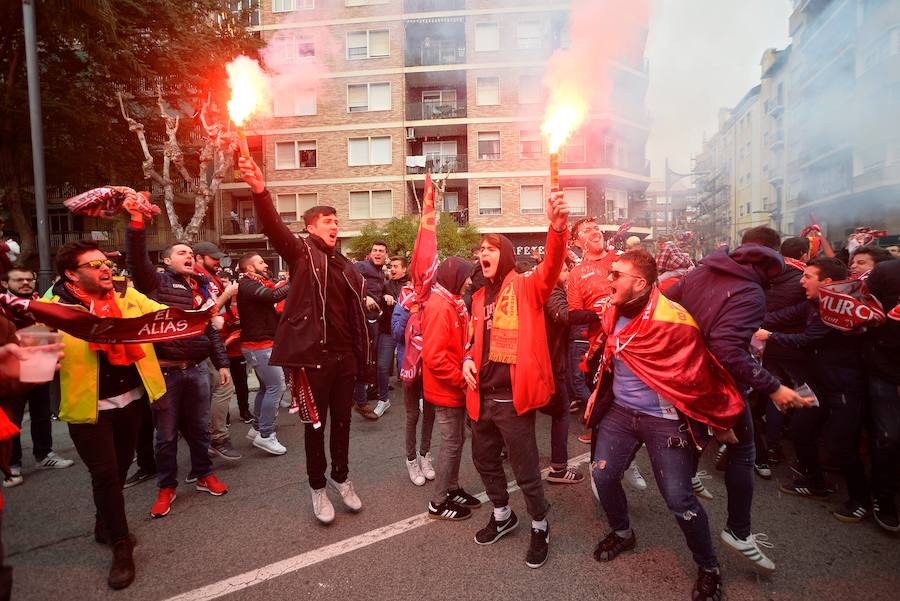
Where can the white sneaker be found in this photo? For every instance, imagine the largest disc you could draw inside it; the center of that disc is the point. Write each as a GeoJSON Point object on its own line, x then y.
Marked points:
{"type": "Point", "coordinates": [285, 401]}
{"type": "Point", "coordinates": [750, 550]}
{"type": "Point", "coordinates": [348, 495]}
{"type": "Point", "coordinates": [697, 485]}
{"type": "Point", "coordinates": [54, 462]}
{"type": "Point", "coordinates": [270, 444]}
{"type": "Point", "coordinates": [381, 407]}
{"type": "Point", "coordinates": [17, 479]}
{"type": "Point", "coordinates": [634, 478]}
{"type": "Point", "coordinates": [322, 506]}
{"type": "Point", "coordinates": [252, 434]}
{"type": "Point", "coordinates": [427, 465]}
{"type": "Point", "coordinates": [415, 472]}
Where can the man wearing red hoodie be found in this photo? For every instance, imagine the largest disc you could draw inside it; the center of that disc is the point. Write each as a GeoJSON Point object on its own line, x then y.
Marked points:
{"type": "Point", "coordinates": [508, 373]}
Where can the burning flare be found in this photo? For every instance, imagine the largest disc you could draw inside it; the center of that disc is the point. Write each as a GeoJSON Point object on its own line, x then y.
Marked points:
{"type": "Point", "coordinates": [563, 118]}
{"type": "Point", "coordinates": [249, 87]}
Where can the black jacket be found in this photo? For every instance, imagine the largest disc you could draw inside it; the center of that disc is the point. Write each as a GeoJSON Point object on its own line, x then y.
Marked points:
{"type": "Point", "coordinates": [300, 337]}
{"type": "Point", "coordinates": [258, 316]}
{"type": "Point", "coordinates": [725, 295]}
{"type": "Point", "coordinates": [559, 321]}
{"type": "Point", "coordinates": [881, 346]}
{"type": "Point", "coordinates": [391, 287]}
{"type": "Point", "coordinates": [375, 285]}
{"type": "Point", "coordinates": [784, 291]}
{"type": "Point", "coordinates": [173, 290]}
{"type": "Point", "coordinates": [827, 359]}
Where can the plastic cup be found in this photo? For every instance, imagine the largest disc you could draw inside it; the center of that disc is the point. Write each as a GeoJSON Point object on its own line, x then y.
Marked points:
{"type": "Point", "coordinates": [39, 345]}
{"type": "Point", "coordinates": [806, 392]}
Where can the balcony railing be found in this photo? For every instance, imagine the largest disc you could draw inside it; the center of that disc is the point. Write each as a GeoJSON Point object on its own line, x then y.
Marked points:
{"type": "Point", "coordinates": [422, 6]}
{"type": "Point", "coordinates": [115, 239]}
{"type": "Point", "coordinates": [436, 163]}
{"type": "Point", "coordinates": [435, 109]}
{"type": "Point", "coordinates": [437, 53]}
{"type": "Point", "coordinates": [461, 217]}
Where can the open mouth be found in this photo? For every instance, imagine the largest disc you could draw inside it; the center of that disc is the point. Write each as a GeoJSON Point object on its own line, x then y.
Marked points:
{"type": "Point", "coordinates": [485, 264]}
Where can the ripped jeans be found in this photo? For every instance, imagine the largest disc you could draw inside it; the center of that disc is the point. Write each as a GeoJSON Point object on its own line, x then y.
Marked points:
{"type": "Point", "coordinates": [621, 433]}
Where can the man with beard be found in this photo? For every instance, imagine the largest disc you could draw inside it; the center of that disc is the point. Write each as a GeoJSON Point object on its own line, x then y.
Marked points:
{"type": "Point", "coordinates": [257, 296]}
{"type": "Point", "coordinates": [508, 374]}
{"type": "Point", "coordinates": [323, 333]}
{"type": "Point", "coordinates": [656, 373]}
{"type": "Point", "coordinates": [20, 281]}
{"type": "Point", "coordinates": [207, 261]}
{"type": "Point", "coordinates": [185, 407]}
{"type": "Point", "coordinates": [725, 294]}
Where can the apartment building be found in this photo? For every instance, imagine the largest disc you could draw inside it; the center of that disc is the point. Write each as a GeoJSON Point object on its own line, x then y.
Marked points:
{"type": "Point", "coordinates": [398, 87]}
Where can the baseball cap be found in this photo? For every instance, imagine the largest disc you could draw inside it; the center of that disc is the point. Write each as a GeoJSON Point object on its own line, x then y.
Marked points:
{"type": "Point", "coordinates": [208, 249]}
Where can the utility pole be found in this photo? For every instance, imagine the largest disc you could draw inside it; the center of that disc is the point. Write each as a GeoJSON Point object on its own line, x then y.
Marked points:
{"type": "Point", "coordinates": [37, 143]}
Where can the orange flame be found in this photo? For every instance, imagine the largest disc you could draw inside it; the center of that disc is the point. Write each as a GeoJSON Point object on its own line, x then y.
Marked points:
{"type": "Point", "coordinates": [249, 89]}
{"type": "Point", "coordinates": [563, 118]}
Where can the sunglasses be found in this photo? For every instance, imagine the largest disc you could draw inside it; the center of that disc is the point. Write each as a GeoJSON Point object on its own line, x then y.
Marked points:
{"type": "Point", "coordinates": [615, 274]}
{"type": "Point", "coordinates": [97, 264]}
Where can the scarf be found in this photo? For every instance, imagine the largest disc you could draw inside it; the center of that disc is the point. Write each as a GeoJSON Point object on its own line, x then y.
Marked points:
{"type": "Point", "coordinates": [505, 326]}
{"type": "Point", "coordinates": [118, 354]}
{"type": "Point", "coordinates": [108, 202]}
{"type": "Point", "coordinates": [461, 311]}
{"type": "Point", "coordinates": [848, 306]}
{"type": "Point", "coordinates": [664, 347]}
{"type": "Point", "coordinates": [302, 400]}
{"type": "Point", "coordinates": [259, 278]}
{"type": "Point", "coordinates": [795, 263]}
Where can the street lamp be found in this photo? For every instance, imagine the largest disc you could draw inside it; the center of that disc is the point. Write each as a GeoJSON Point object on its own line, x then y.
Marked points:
{"type": "Point", "coordinates": [671, 178]}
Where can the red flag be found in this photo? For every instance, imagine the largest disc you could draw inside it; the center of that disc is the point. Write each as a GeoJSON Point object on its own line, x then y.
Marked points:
{"type": "Point", "coordinates": [422, 269]}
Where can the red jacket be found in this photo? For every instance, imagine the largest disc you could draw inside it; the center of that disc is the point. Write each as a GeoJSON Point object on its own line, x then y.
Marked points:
{"type": "Point", "coordinates": [532, 375]}
{"type": "Point", "coordinates": [442, 353]}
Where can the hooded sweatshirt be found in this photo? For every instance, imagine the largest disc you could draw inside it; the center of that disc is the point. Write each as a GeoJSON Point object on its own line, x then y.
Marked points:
{"type": "Point", "coordinates": [881, 346]}
{"type": "Point", "coordinates": [495, 381]}
{"type": "Point", "coordinates": [726, 296]}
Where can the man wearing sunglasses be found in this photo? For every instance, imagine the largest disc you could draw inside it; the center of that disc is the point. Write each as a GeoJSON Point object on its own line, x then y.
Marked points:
{"type": "Point", "coordinates": [185, 407]}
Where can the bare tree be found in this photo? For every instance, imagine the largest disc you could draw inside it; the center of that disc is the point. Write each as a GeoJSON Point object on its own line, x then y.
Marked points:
{"type": "Point", "coordinates": [440, 184]}
{"type": "Point", "coordinates": [217, 151]}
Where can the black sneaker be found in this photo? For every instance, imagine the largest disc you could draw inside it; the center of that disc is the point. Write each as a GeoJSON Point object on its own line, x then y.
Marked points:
{"type": "Point", "coordinates": [139, 476]}
{"type": "Point", "coordinates": [774, 456]}
{"type": "Point", "coordinates": [851, 512]}
{"type": "Point", "coordinates": [763, 470]}
{"type": "Point", "coordinates": [448, 510]}
{"type": "Point", "coordinates": [885, 513]}
{"type": "Point", "coordinates": [567, 475]}
{"type": "Point", "coordinates": [247, 417]}
{"type": "Point", "coordinates": [575, 406]}
{"type": "Point", "coordinates": [610, 547]}
{"type": "Point", "coordinates": [191, 477]}
{"type": "Point", "coordinates": [708, 586]}
{"type": "Point", "coordinates": [539, 548]}
{"type": "Point", "coordinates": [804, 487]}
{"type": "Point", "coordinates": [722, 458]}
{"type": "Point", "coordinates": [495, 530]}
{"type": "Point", "coordinates": [464, 499]}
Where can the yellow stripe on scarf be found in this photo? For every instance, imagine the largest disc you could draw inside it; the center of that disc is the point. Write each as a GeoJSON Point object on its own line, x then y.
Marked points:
{"type": "Point", "coordinates": [672, 312]}
{"type": "Point", "coordinates": [505, 327]}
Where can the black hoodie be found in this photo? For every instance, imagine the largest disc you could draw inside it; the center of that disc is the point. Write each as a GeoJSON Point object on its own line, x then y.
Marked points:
{"type": "Point", "coordinates": [881, 346]}
{"type": "Point", "coordinates": [726, 296]}
{"type": "Point", "coordinates": [495, 381]}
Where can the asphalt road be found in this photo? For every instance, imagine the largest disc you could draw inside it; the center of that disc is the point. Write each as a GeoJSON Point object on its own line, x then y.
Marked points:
{"type": "Point", "coordinates": [261, 540]}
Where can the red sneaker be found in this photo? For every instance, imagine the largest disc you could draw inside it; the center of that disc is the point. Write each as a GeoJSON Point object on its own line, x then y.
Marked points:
{"type": "Point", "coordinates": [163, 503]}
{"type": "Point", "coordinates": [212, 485]}
{"type": "Point", "coordinates": [585, 438]}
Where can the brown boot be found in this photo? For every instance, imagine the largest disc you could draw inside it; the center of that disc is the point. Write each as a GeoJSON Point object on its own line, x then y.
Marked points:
{"type": "Point", "coordinates": [121, 571]}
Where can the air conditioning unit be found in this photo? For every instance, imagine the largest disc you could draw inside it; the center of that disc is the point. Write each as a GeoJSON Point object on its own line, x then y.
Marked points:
{"type": "Point", "coordinates": [410, 133]}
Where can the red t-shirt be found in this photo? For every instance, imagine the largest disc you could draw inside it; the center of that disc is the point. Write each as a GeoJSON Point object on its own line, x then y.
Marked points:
{"type": "Point", "coordinates": [588, 281]}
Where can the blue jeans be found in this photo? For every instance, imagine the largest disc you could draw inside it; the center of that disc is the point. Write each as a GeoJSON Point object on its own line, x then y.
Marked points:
{"type": "Point", "coordinates": [669, 444]}
{"type": "Point", "coordinates": [271, 386]}
{"type": "Point", "coordinates": [386, 347]}
{"type": "Point", "coordinates": [559, 431]}
{"type": "Point", "coordinates": [580, 382]}
{"type": "Point", "coordinates": [884, 399]}
{"type": "Point", "coordinates": [185, 408]}
{"type": "Point", "coordinates": [739, 474]}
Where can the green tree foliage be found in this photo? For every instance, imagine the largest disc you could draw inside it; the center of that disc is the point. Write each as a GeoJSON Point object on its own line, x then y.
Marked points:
{"type": "Point", "coordinates": [400, 236]}
{"type": "Point", "coordinates": [88, 51]}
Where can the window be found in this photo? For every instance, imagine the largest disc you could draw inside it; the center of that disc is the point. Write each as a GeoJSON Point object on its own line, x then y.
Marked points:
{"type": "Point", "coordinates": [528, 35]}
{"type": "Point", "coordinates": [531, 199]}
{"type": "Point", "coordinates": [451, 202]}
{"type": "Point", "coordinates": [295, 103]}
{"type": "Point", "coordinates": [295, 47]}
{"type": "Point", "coordinates": [577, 199]}
{"type": "Point", "coordinates": [489, 145]}
{"type": "Point", "coordinates": [293, 155]}
{"type": "Point", "coordinates": [284, 6]}
{"type": "Point", "coordinates": [372, 43]}
{"type": "Point", "coordinates": [487, 37]}
{"type": "Point", "coordinates": [530, 144]}
{"type": "Point", "coordinates": [374, 204]}
{"type": "Point", "coordinates": [363, 97]}
{"type": "Point", "coordinates": [488, 200]}
{"type": "Point", "coordinates": [369, 151]}
{"type": "Point", "coordinates": [530, 91]}
{"type": "Point", "coordinates": [487, 90]}
{"type": "Point", "coordinates": [574, 151]}
{"type": "Point", "coordinates": [292, 206]}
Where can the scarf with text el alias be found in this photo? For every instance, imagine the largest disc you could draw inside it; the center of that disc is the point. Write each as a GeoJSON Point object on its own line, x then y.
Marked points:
{"type": "Point", "coordinates": [664, 347]}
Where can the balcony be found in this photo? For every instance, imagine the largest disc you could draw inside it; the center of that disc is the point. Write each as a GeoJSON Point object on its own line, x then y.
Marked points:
{"type": "Point", "coordinates": [111, 240]}
{"type": "Point", "coordinates": [437, 163]}
{"type": "Point", "coordinates": [424, 6]}
{"type": "Point", "coordinates": [774, 106]}
{"type": "Point", "coordinates": [461, 217]}
{"type": "Point", "coordinates": [776, 140]}
{"type": "Point", "coordinates": [444, 52]}
{"type": "Point", "coordinates": [429, 110]}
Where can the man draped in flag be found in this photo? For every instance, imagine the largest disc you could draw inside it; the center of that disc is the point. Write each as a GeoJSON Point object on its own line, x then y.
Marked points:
{"type": "Point", "coordinates": [322, 338]}
{"type": "Point", "coordinates": [411, 303]}
{"type": "Point", "coordinates": [656, 376]}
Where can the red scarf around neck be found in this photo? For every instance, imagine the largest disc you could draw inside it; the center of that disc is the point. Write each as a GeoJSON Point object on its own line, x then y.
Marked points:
{"type": "Point", "coordinates": [460, 305]}
{"type": "Point", "coordinates": [262, 280]}
{"type": "Point", "coordinates": [118, 354]}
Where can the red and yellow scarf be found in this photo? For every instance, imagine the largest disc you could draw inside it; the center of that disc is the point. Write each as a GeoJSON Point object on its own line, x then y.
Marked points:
{"type": "Point", "coordinates": [105, 306]}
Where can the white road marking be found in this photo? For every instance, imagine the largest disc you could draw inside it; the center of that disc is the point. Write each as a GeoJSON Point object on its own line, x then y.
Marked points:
{"type": "Point", "coordinates": [304, 560]}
